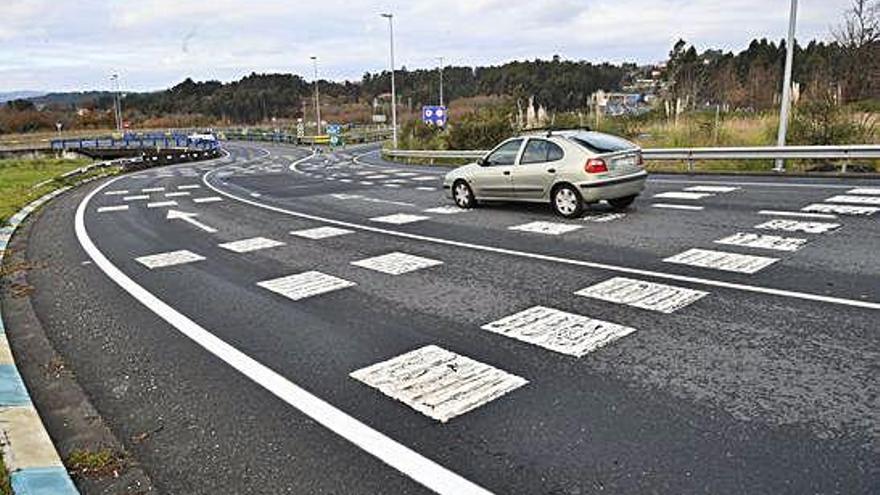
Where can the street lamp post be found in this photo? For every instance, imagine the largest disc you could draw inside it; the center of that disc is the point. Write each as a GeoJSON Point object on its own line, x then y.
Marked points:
{"type": "Point", "coordinates": [317, 95]}
{"type": "Point", "coordinates": [117, 111]}
{"type": "Point", "coordinates": [390, 18]}
{"type": "Point", "coordinates": [786, 85]}
{"type": "Point", "coordinates": [440, 59]}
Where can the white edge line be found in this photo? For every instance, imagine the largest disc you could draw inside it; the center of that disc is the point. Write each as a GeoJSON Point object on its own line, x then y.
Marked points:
{"type": "Point", "coordinates": [407, 461]}
{"type": "Point", "coordinates": [555, 259]}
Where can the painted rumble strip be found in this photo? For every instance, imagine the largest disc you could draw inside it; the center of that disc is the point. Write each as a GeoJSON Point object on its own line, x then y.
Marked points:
{"type": "Point", "coordinates": [399, 218]}
{"type": "Point", "coordinates": [757, 289]}
{"type": "Point", "coordinates": [548, 228]}
{"type": "Point", "coordinates": [798, 226]}
{"type": "Point", "coordinates": [644, 295]}
{"type": "Point", "coordinates": [172, 258]}
{"type": "Point", "coordinates": [306, 284]}
{"type": "Point", "coordinates": [248, 245]}
{"type": "Point", "coordinates": [409, 462]}
{"type": "Point", "coordinates": [841, 209]}
{"type": "Point", "coordinates": [797, 214]}
{"type": "Point", "coordinates": [558, 331]}
{"type": "Point", "coordinates": [438, 383]}
{"type": "Point", "coordinates": [396, 263]}
{"type": "Point", "coordinates": [854, 199]}
{"type": "Point", "coordinates": [719, 260]}
{"type": "Point", "coordinates": [321, 232]}
{"type": "Point", "coordinates": [761, 241]}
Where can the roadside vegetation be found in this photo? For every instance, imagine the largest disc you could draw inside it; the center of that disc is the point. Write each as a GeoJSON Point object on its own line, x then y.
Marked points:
{"type": "Point", "coordinates": [19, 179]}
{"type": "Point", "coordinates": [5, 483]}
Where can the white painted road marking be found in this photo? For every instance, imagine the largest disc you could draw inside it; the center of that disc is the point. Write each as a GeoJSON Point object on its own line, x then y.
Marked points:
{"type": "Point", "coordinates": [321, 232]}
{"type": "Point", "coordinates": [253, 244]}
{"type": "Point", "coordinates": [719, 260]}
{"type": "Point", "coordinates": [798, 226]}
{"type": "Point", "coordinates": [117, 193]}
{"type": "Point", "coordinates": [189, 186]}
{"type": "Point", "coordinates": [760, 241]}
{"type": "Point", "coordinates": [645, 295]}
{"type": "Point", "coordinates": [396, 263]}
{"type": "Point", "coordinates": [873, 191]}
{"type": "Point", "coordinates": [853, 199]}
{"type": "Point", "coordinates": [152, 189]}
{"type": "Point", "coordinates": [177, 194]}
{"type": "Point", "coordinates": [683, 195]}
{"type": "Point", "coordinates": [422, 188]}
{"type": "Point", "coordinates": [104, 209]}
{"type": "Point", "coordinates": [445, 210]}
{"type": "Point", "coordinates": [797, 214]}
{"type": "Point", "coordinates": [603, 217]}
{"type": "Point", "coordinates": [409, 462]}
{"type": "Point", "coordinates": [548, 228]}
{"type": "Point", "coordinates": [712, 189]}
{"type": "Point", "coordinates": [136, 197]}
{"type": "Point", "coordinates": [162, 204]}
{"type": "Point", "coordinates": [841, 209]}
{"type": "Point", "coordinates": [172, 258]}
{"type": "Point", "coordinates": [190, 219]}
{"type": "Point", "coordinates": [558, 331]}
{"type": "Point", "coordinates": [208, 199]}
{"type": "Point", "coordinates": [757, 289]}
{"type": "Point", "coordinates": [306, 284]}
{"type": "Point", "coordinates": [677, 207]}
{"type": "Point", "coordinates": [399, 218]}
{"type": "Point", "coordinates": [438, 383]}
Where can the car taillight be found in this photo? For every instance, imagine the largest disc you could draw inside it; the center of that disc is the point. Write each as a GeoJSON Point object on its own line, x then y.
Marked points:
{"type": "Point", "coordinates": [640, 159]}
{"type": "Point", "coordinates": [595, 166]}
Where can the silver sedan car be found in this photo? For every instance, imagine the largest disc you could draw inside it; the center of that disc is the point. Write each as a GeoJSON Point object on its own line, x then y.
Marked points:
{"type": "Point", "coordinates": [568, 169]}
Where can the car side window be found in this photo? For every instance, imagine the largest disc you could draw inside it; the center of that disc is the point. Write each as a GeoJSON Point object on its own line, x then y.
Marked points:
{"type": "Point", "coordinates": [540, 151]}
{"type": "Point", "coordinates": [505, 154]}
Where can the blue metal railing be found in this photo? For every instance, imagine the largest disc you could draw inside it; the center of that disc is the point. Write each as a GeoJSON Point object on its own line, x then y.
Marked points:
{"type": "Point", "coordinates": [134, 141]}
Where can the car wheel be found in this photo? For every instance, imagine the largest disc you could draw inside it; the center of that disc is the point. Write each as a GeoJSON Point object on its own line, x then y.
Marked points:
{"type": "Point", "coordinates": [462, 194]}
{"type": "Point", "coordinates": [567, 201]}
{"type": "Point", "coordinates": [621, 203]}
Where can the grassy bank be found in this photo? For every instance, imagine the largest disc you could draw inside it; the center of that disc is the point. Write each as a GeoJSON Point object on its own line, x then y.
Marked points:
{"type": "Point", "coordinates": [19, 176]}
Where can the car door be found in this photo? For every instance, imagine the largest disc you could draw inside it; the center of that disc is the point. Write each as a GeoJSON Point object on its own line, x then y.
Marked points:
{"type": "Point", "coordinates": [536, 169]}
{"type": "Point", "coordinates": [493, 179]}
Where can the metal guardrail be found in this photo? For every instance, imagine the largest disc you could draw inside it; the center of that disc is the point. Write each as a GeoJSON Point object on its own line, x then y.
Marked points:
{"type": "Point", "coordinates": [132, 142]}
{"type": "Point", "coordinates": [843, 152]}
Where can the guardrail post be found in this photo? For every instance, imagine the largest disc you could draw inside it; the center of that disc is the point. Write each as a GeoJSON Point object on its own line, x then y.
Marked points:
{"type": "Point", "coordinates": [845, 165]}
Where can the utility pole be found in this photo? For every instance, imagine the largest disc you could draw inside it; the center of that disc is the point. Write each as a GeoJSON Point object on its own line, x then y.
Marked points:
{"type": "Point", "coordinates": [390, 18]}
{"type": "Point", "coordinates": [117, 111]}
{"type": "Point", "coordinates": [441, 80]}
{"type": "Point", "coordinates": [317, 95]}
{"type": "Point", "coordinates": [786, 85]}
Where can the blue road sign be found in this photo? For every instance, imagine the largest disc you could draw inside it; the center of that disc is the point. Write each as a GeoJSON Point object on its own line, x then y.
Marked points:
{"type": "Point", "coordinates": [334, 129]}
{"type": "Point", "coordinates": [434, 115]}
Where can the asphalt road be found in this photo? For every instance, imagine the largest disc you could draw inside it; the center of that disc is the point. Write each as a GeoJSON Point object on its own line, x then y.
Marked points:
{"type": "Point", "coordinates": [725, 382]}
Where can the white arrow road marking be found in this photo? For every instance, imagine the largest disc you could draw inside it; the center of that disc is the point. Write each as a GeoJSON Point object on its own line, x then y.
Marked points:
{"type": "Point", "coordinates": [189, 218]}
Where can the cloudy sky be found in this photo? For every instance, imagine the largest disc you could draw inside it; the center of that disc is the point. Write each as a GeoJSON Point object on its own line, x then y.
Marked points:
{"type": "Point", "coordinates": [152, 44]}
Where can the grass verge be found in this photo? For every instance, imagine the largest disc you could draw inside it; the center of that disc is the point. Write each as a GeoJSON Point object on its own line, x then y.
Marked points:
{"type": "Point", "coordinates": [19, 176]}
{"type": "Point", "coordinates": [5, 483]}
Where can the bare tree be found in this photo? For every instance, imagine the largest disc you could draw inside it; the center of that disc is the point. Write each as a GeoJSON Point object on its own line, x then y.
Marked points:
{"type": "Point", "coordinates": [859, 36]}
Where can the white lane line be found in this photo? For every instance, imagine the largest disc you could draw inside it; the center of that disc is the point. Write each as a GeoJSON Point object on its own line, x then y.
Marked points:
{"type": "Point", "coordinates": [853, 199]}
{"type": "Point", "coordinates": [720, 260]}
{"type": "Point", "coordinates": [161, 204]}
{"type": "Point", "coordinates": [761, 241]}
{"type": "Point", "coordinates": [347, 181]}
{"type": "Point", "coordinates": [668, 206]}
{"type": "Point", "coordinates": [136, 197]}
{"type": "Point", "coordinates": [399, 218]}
{"type": "Point", "coordinates": [392, 185]}
{"type": "Point", "coordinates": [255, 195]}
{"type": "Point", "coordinates": [252, 244]}
{"type": "Point", "coordinates": [409, 462]}
{"type": "Point", "coordinates": [798, 226]}
{"type": "Point", "coordinates": [178, 194]}
{"type": "Point", "coordinates": [558, 331]}
{"type": "Point", "coordinates": [426, 188]}
{"type": "Point", "coordinates": [152, 189]}
{"type": "Point", "coordinates": [121, 192]}
{"type": "Point", "coordinates": [366, 183]}
{"type": "Point", "coordinates": [446, 210]}
{"type": "Point", "coordinates": [208, 199]}
{"type": "Point", "coordinates": [321, 232]}
{"type": "Point", "coordinates": [161, 260]}
{"type": "Point", "coordinates": [644, 295]}
{"type": "Point", "coordinates": [396, 263]}
{"type": "Point", "coordinates": [104, 209]}
{"type": "Point", "coordinates": [872, 191]}
{"type": "Point", "coordinates": [406, 174]}
{"type": "Point", "coordinates": [307, 284]}
{"type": "Point", "coordinates": [797, 214]}
{"type": "Point", "coordinates": [547, 228]}
{"type": "Point", "coordinates": [712, 189]}
{"type": "Point", "coordinates": [438, 383]}
{"type": "Point", "coordinates": [841, 209]}
{"type": "Point", "coordinates": [683, 195]}
{"type": "Point", "coordinates": [425, 178]}
{"type": "Point", "coordinates": [757, 289]}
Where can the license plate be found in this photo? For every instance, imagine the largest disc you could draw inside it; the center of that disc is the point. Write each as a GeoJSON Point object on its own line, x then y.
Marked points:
{"type": "Point", "coordinates": [628, 162]}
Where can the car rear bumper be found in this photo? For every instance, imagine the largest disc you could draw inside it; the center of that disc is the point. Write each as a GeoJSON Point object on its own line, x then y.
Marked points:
{"type": "Point", "coordinates": [616, 187]}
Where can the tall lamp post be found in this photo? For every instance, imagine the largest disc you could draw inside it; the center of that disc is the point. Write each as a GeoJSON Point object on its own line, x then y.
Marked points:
{"type": "Point", "coordinates": [440, 59]}
{"type": "Point", "coordinates": [786, 85]}
{"type": "Point", "coordinates": [390, 18]}
{"type": "Point", "coordinates": [317, 95]}
{"type": "Point", "coordinates": [117, 111]}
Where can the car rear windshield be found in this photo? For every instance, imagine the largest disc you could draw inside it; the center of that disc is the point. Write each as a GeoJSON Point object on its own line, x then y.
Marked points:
{"type": "Point", "coordinates": [602, 143]}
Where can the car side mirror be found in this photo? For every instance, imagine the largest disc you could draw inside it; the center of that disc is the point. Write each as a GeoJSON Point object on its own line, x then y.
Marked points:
{"type": "Point", "coordinates": [483, 162]}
